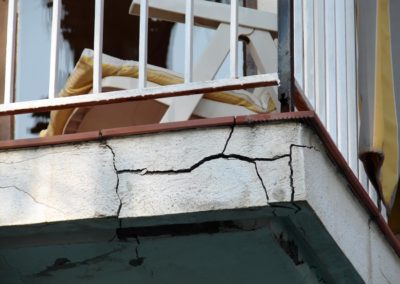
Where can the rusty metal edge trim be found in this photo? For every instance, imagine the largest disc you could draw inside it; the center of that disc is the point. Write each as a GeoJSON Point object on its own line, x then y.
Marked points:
{"type": "Point", "coordinates": [150, 128]}
{"type": "Point", "coordinates": [166, 127]}
{"type": "Point", "coordinates": [48, 141]}
{"type": "Point", "coordinates": [355, 185]}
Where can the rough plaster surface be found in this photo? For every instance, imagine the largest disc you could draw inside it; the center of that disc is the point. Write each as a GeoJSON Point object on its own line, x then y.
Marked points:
{"type": "Point", "coordinates": [56, 183]}
{"type": "Point", "coordinates": [225, 184]}
{"type": "Point", "coordinates": [150, 175]}
{"type": "Point", "coordinates": [347, 221]}
{"type": "Point", "coordinates": [193, 171]}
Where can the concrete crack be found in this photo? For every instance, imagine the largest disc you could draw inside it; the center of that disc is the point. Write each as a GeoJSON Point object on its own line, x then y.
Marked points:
{"type": "Point", "coordinates": [292, 171]}
{"type": "Point", "coordinates": [144, 171]}
{"type": "Point", "coordinates": [208, 159]}
{"type": "Point", "coordinates": [117, 174]}
{"type": "Point", "coordinates": [36, 157]}
{"type": "Point", "coordinates": [138, 260]}
{"type": "Point", "coordinates": [281, 206]}
{"type": "Point", "coordinates": [262, 182]}
{"type": "Point", "coordinates": [66, 264]}
{"type": "Point", "coordinates": [31, 197]}
{"type": "Point", "coordinates": [230, 135]}
{"type": "Point", "coordinates": [222, 155]}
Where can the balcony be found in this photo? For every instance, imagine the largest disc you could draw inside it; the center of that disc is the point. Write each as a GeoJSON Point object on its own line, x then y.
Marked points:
{"type": "Point", "coordinates": [213, 192]}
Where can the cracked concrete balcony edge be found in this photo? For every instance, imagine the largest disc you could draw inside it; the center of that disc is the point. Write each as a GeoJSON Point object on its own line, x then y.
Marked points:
{"type": "Point", "coordinates": [266, 165]}
{"type": "Point", "coordinates": [153, 174]}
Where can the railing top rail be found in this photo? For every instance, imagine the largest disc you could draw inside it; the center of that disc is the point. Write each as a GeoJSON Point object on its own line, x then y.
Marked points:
{"type": "Point", "coordinates": [263, 80]}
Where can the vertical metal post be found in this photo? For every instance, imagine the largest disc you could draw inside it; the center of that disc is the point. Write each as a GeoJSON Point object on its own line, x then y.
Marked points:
{"type": "Point", "coordinates": [286, 54]}
{"type": "Point", "coordinates": [55, 39]}
{"type": "Point", "coordinates": [98, 46]}
{"type": "Point", "coordinates": [143, 34]}
{"type": "Point", "coordinates": [10, 52]}
{"type": "Point", "coordinates": [189, 41]}
{"type": "Point", "coordinates": [234, 39]}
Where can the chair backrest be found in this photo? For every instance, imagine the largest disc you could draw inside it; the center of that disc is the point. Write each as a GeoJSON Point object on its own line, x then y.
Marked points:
{"type": "Point", "coordinates": [211, 14]}
{"type": "Point", "coordinates": [256, 25]}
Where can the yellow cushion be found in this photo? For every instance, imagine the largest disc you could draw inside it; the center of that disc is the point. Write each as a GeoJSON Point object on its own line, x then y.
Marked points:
{"type": "Point", "coordinates": [81, 80]}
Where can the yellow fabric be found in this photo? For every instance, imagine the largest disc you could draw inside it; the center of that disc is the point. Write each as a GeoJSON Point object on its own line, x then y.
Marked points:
{"type": "Point", "coordinates": [80, 82]}
{"type": "Point", "coordinates": [385, 124]}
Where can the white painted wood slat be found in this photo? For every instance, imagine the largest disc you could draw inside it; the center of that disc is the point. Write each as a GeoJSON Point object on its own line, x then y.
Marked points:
{"type": "Point", "coordinates": [352, 110]}
{"type": "Point", "coordinates": [330, 61]}
{"type": "Point", "coordinates": [208, 14]}
{"type": "Point", "coordinates": [341, 77]}
{"type": "Point", "coordinates": [319, 63]}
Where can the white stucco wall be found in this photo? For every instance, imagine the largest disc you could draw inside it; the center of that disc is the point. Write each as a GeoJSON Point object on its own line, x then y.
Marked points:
{"type": "Point", "coordinates": [149, 175]}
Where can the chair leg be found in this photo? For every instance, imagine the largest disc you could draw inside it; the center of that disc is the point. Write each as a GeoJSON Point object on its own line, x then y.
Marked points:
{"type": "Point", "coordinates": [205, 69]}
{"type": "Point", "coordinates": [265, 54]}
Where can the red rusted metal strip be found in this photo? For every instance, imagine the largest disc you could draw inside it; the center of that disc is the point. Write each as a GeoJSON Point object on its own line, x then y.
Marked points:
{"type": "Point", "coordinates": [355, 185]}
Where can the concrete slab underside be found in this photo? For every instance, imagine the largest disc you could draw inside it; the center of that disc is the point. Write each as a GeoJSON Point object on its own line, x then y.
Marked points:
{"type": "Point", "coordinates": [235, 251]}
{"type": "Point", "coordinates": [278, 172]}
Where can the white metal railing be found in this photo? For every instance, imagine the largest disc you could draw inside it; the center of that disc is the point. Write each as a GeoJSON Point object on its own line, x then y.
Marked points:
{"type": "Point", "coordinates": [55, 42]}
{"type": "Point", "coordinates": [189, 20]}
{"type": "Point", "coordinates": [10, 52]}
{"type": "Point", "coordinates": [52, 102]}
{"type": "Point", "coordinates": [98, 45]}
{"type": "Point", "coordinates": [324, 35]}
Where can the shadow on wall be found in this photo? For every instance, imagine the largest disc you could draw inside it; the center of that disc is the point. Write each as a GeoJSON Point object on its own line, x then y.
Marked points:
{"type": "Point", "coordinates": [121, 30]}
{"type": "Point", "coordinates": [120, 38]}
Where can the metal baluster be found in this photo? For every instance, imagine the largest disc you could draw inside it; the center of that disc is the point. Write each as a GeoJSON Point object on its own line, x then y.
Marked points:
{"type": "Point", "coordinates": [330, 61]}
{"type": "Point", "coordinates": [98, 46]}
{"type": "Point", "coordinates": [189, 41]}
{"type": "Point", "coordinates": [299, 42]}
{"type": "Point", "coordinates": [309, 55]}
{"type": "Point", "coordinates": [286, 54]}
{"type": "Point", "coordinates": [55, 39]}
{"type": "Point", "coordinates": [341, 78]}
{"type": "Point", "coordinates": [143, 35]}
{"type": "Point", "coordinates": [351, 85]}
{"type": "Point", "coordinates": [234, 39]}
{"type": "Point", "coordinates": [10, 52]}
{"type": "Point", "coordinates": [320, 67]}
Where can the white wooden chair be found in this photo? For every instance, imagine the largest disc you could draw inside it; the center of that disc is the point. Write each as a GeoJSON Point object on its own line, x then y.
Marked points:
{"type": "Point", "coordinates": [139, 112]}
{"type": "Point", "coordinates": [255, 25]}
